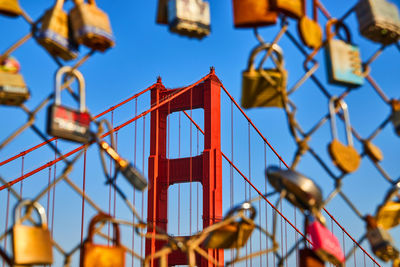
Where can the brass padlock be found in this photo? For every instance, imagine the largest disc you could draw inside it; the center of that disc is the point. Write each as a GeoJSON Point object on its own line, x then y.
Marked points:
{"type": "Point", "coordinates": [378, 21]}
{"type": "Point", "coordinates": [32, 245]}
{"type": "Point", "coordinates": [253, 13]}
{"type": "Point", "coordinates": [310, 31]}
{"type": "Point", "coordinates": [388, 215]}
{"type": "Point", "coordinates": [344, 65]}
{"type": "Point", "coordinates": [345, 157]}
{"type": "Point", "coordinates": [94, 255]}
{"type": "Point", "coordinates": [264, 87]}
{"type": "Point", "coordinates": [291, 8]}
{"type": "Point", "coordinates": [91, 26]}
{"type": "Point", "coordinates": [189, 18]}
{"type": "Point", "coordinates": [308, 258]}
{"type": "Point", "coordinates": [13, 90]}
{"type": "Point", "coordinates": [162, 12]}
{"type": "Point", "coordinates": [234, 234]}
{"type": "Point", "coordinates": [396, 116]}
{"type": "Point", "coordinates": [372, 151]}
{"type": "Point", "coordinates": [54, 34]}
{"type": "Point", "coordinates": [10, 8]}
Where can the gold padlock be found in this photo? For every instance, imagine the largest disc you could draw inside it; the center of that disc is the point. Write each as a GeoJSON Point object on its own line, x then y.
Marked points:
{"type": "Point", "coordinates": [32, 245]}
{"type": "Point", "coordinates": [253, 13]}
{"type": "Point", "coordinates": [91, 26]}
{"type": "Point", "coordinates": [10, 8]}
{"type": "Point", "coordinates": [13, 90]}
{"type": "Point", "coordinates": [291, 8]}
{"type": "Point", "coordinates": [310, 31]}
{"type": "Point", "coordinates": [94, 255]}
{"type": "Point", "coordinates": [234, 234]}
{"type": "Point", "coordinates": [372, 151]}
{"type": "Point", "coordinates": [388, 215]}
{"type": "Point", "coordinates": [345, 157]}
{"type": "Point", "coordinates": [264, 87]}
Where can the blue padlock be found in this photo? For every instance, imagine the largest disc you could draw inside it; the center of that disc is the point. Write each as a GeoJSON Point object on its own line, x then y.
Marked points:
{"type": "Point", "coordinates": [344, 65]}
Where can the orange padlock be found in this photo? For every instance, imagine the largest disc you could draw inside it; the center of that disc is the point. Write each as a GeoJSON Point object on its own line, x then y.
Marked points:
{"type": "Point", "coordinates": [253, 13]}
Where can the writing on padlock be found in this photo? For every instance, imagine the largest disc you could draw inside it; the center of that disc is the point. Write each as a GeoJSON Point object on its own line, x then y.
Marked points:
{"type": "Point", "coordinates": [91, 26]}
{"type": "Point", "coordinates": [291, 8]}
{"type": "Point", "coordinates": [380, 240]}
{"type": "Point", "coordinates": [378, 20]}
{"type": "Point", "coordinates": [54, 34]}
{"type": "Point", "coordinates": [253, 13]}
{"type": "Point", "coordinates": [95, 255]}
{"type": "Point", "coordinates": [10, 8]}
{"type": "Point", "coordinates": [189, 18]}
{"type": "Point", "coordinates": [264, 87]}
{"type": "Point", "coordinates": [345, 157]}
{"type": "Point", "coordinates": [65, 122]}
{"type": "Point", "coordinates": [13, 90]}
{"type": "Point", "coordinates": [344, 65]}
{"type": "Point", "coordinates": [235, 234]}
{"type": "Point", "coordinates": [32, 245]}
{"type": "Point", "coordinates": [396, 116]}
{"type": "Point", "coordinates": [133, 176]}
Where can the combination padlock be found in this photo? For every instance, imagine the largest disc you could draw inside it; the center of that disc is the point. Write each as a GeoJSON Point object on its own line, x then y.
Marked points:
{"type": "Point", "coordinates": [91, 26]}
{"type": "Point", "coordinates": [264, 87]}
{"type": "Point", "coordinates": [10, 8]}
{"type": "Point", "coordinates": [380, 240]}
{"type": "Point", "coordinates": [95, 255]}
{"type": "Point", "coordinates": [235, 234]}
{"type": "Point", "coordinates": [379, 21]}
{"type": "Point", "coordinates": [344, 65]}
{"type": "Point", "coordinates": [13, 90]}
{"type": "Point", "coordinates": [65, 122]}
{"type": "Point", "coordinates": [253, 13]}
{"type": "Point", "coordinates": [54, 34]}
{"type": "Point", "coordinates": [32, 245]}
{"type": "Point", "coordinates": [396, 116]}
{"type": "Point", "coordinates": [345, 157]}
{"type": "Point", "coordinates": [189, 18]}
{"type": "Point", "coordinates": [291, 8]}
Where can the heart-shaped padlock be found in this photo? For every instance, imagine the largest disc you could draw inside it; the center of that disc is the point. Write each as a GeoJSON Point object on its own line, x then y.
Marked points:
{"type": "Point", "coordinates": [345, 157]}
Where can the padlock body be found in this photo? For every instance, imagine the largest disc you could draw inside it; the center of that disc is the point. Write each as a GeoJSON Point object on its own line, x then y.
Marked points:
{"type": "Point", "coordinates": [13, 90]}
{"type": "Point", "coordinates": [325, 244]}
{"type": "Point", "coordinates": [93, 255]}
{"type": "Point", "coordinates": [232, 235]}
{"type": "Point", "coordinates": [291, 8]}
{"type": "Point", "coordinates": [343, 64]}
{"type": "Point", "coordinates": [91, 27]}
{"type": "Point", "coordinates": [134, 177]}
{"type": "Point", "coordinates": [32, 245]}
{"type": "Point", "coordinates": [396, 121]}
{"type": "Point", "coordinates": [382, 244]}
{"type": "Point", "coordinates": [162, 12]}
{"type": "Point", "coordinates": [253, 13]}
{"type": "Point", "coordinates": [308, 258]}
{"type": "Point", "coordinates": [378, 21]}
{"type": "Point", "coordinates": [54, 35]}
{"type": "Point", "coordinates": [69, 124]}
{"type": "Point", "coordinates": [388, 215]}
{"type": "Point", "coordinates": [257, 91]}
{"type": "Point", "coordinates": [310, 32]}
{"type": "Point", "coordinates": [189, 18]}
{"type": "Point", "coordinates": [346, 158]}
{"type": "Point", "coordinates": [10, 8]}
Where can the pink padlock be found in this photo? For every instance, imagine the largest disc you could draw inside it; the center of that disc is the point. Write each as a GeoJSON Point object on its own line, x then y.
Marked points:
{"type": "Point", "coordinates": [325, 244]}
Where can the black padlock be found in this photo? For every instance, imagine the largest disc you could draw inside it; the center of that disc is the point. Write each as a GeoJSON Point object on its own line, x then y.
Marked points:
{"type": "Point", "coordinates": [68, 123]}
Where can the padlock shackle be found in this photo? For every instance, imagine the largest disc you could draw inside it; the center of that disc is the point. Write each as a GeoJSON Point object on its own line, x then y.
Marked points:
{"type": "Point", "coordinates": [58, 85]}
{"type": "Point", "coordinates": [265, 46]}
{"type": "Point", "coordinates": [332, 113]}
{"type": "Point", "coordinates": [59, 5]}
{"type": "Point", "coordinates": [338, 24]}
{"type": "Point", "coordinates": [36, 205]}
{"type": "Point", "coordinates": [101, 217]}
{"type": "Point", "coordinates": [245, 206]}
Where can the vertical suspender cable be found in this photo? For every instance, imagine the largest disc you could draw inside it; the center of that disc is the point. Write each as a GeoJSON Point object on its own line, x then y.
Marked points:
{"type": "Point", "coordinates": [179, 185]}
{"type": "Point", "coordinates": [115, 191]}
{"type": "Point", "coordinates": [48, 194]}
{"type": "Point", "coordinates": [54, 191]}
{"type": "Point", "coordinates": [197, 185]}
{"type": "Point", "coordinates": [22, 173]}
{"type": "Point", "coordinates": [266, 206]}
{"type": "Point", "coordinates": [134, 191]}
{"type": "Point", "coordinates": [191, 167]}
{"type": "Point", "coordinates": [7, 212]}
{"type": "Point", "coordinates": [251, 246]}
{"type": "Point", "coordinates": [83, 194]}
{"type": "Point", "coordinates": [144, 146]}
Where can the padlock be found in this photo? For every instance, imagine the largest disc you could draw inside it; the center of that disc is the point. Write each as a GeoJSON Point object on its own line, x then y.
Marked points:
{"type": "Point", "coordinates": [189, 18]}
{"type": "Point", "coordinates": [308, 258]}
{"type": "Point", "coordinates": [264, 87]}
{"type": "Point", "coordinates": [379, 21]}
{"type": "Point", "coordinates": [253, 13]}
{"type": "Point", "coordinates": [91, 26]}
{"type": "Point", "coordinates": [372, 151]}
{"type": "Point", "coordinates": [95, 255]}
{"type": "Point", "coordinates": [396, 116]}
{"type": "Point", "coordinates": [32, 245]}
{"type": "Point", "coordinates": [291, 8]}
{"type": "Point", "coordinates": [380, 240]}
{"type": "Point", "coordinates": [162, 12]}
{"type": "Point", "coordinates": [301, 191]}
{"type": "Point", "coordinates": [388, 215]}
{"type": "Point", "coordinates": [325, 244]}
{"type": "Point", "coordinates": [235, 234]}
{"type": "Point", "coordinates": [310, 31]}
{"type": "Point", "coordinates": [10, 8]}
{"type": "Point", "coordinates": [345, 157]}
{"type": "Point", "coordinates": [54, 34]}
{"type": "Point", "coordinates": [13, 90]}
{"type": "Point", "coordinates": [396, 263]}
{"type": "Point", "coordinates": [344, 65]}
{"type": "Point", "coordinates": [68, 123]}
{"type": "Point", "coordinates": [134, 177]}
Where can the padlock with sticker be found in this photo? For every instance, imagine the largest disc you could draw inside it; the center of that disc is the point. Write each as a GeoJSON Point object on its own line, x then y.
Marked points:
{"type": "Point", "coordinates": [68, 123]}
{"type": "Point", "coordinates": [10, 8]}
{"type": "Point", "coordinates": [253, 13]}
{"type": "Point", "coordinates": [264, 87]}
{"type": "Point", "coordinates": [345, 157]}
{"type": "Point", "coordinates": [32, 245]}
{"type": "Point", "coordinates": [344, 64]}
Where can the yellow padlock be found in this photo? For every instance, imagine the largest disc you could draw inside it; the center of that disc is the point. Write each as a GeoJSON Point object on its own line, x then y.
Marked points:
{"type": "Point", "coordinates": [291, 8]}
{"type": "Point", "coordinates": [10, 8]}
